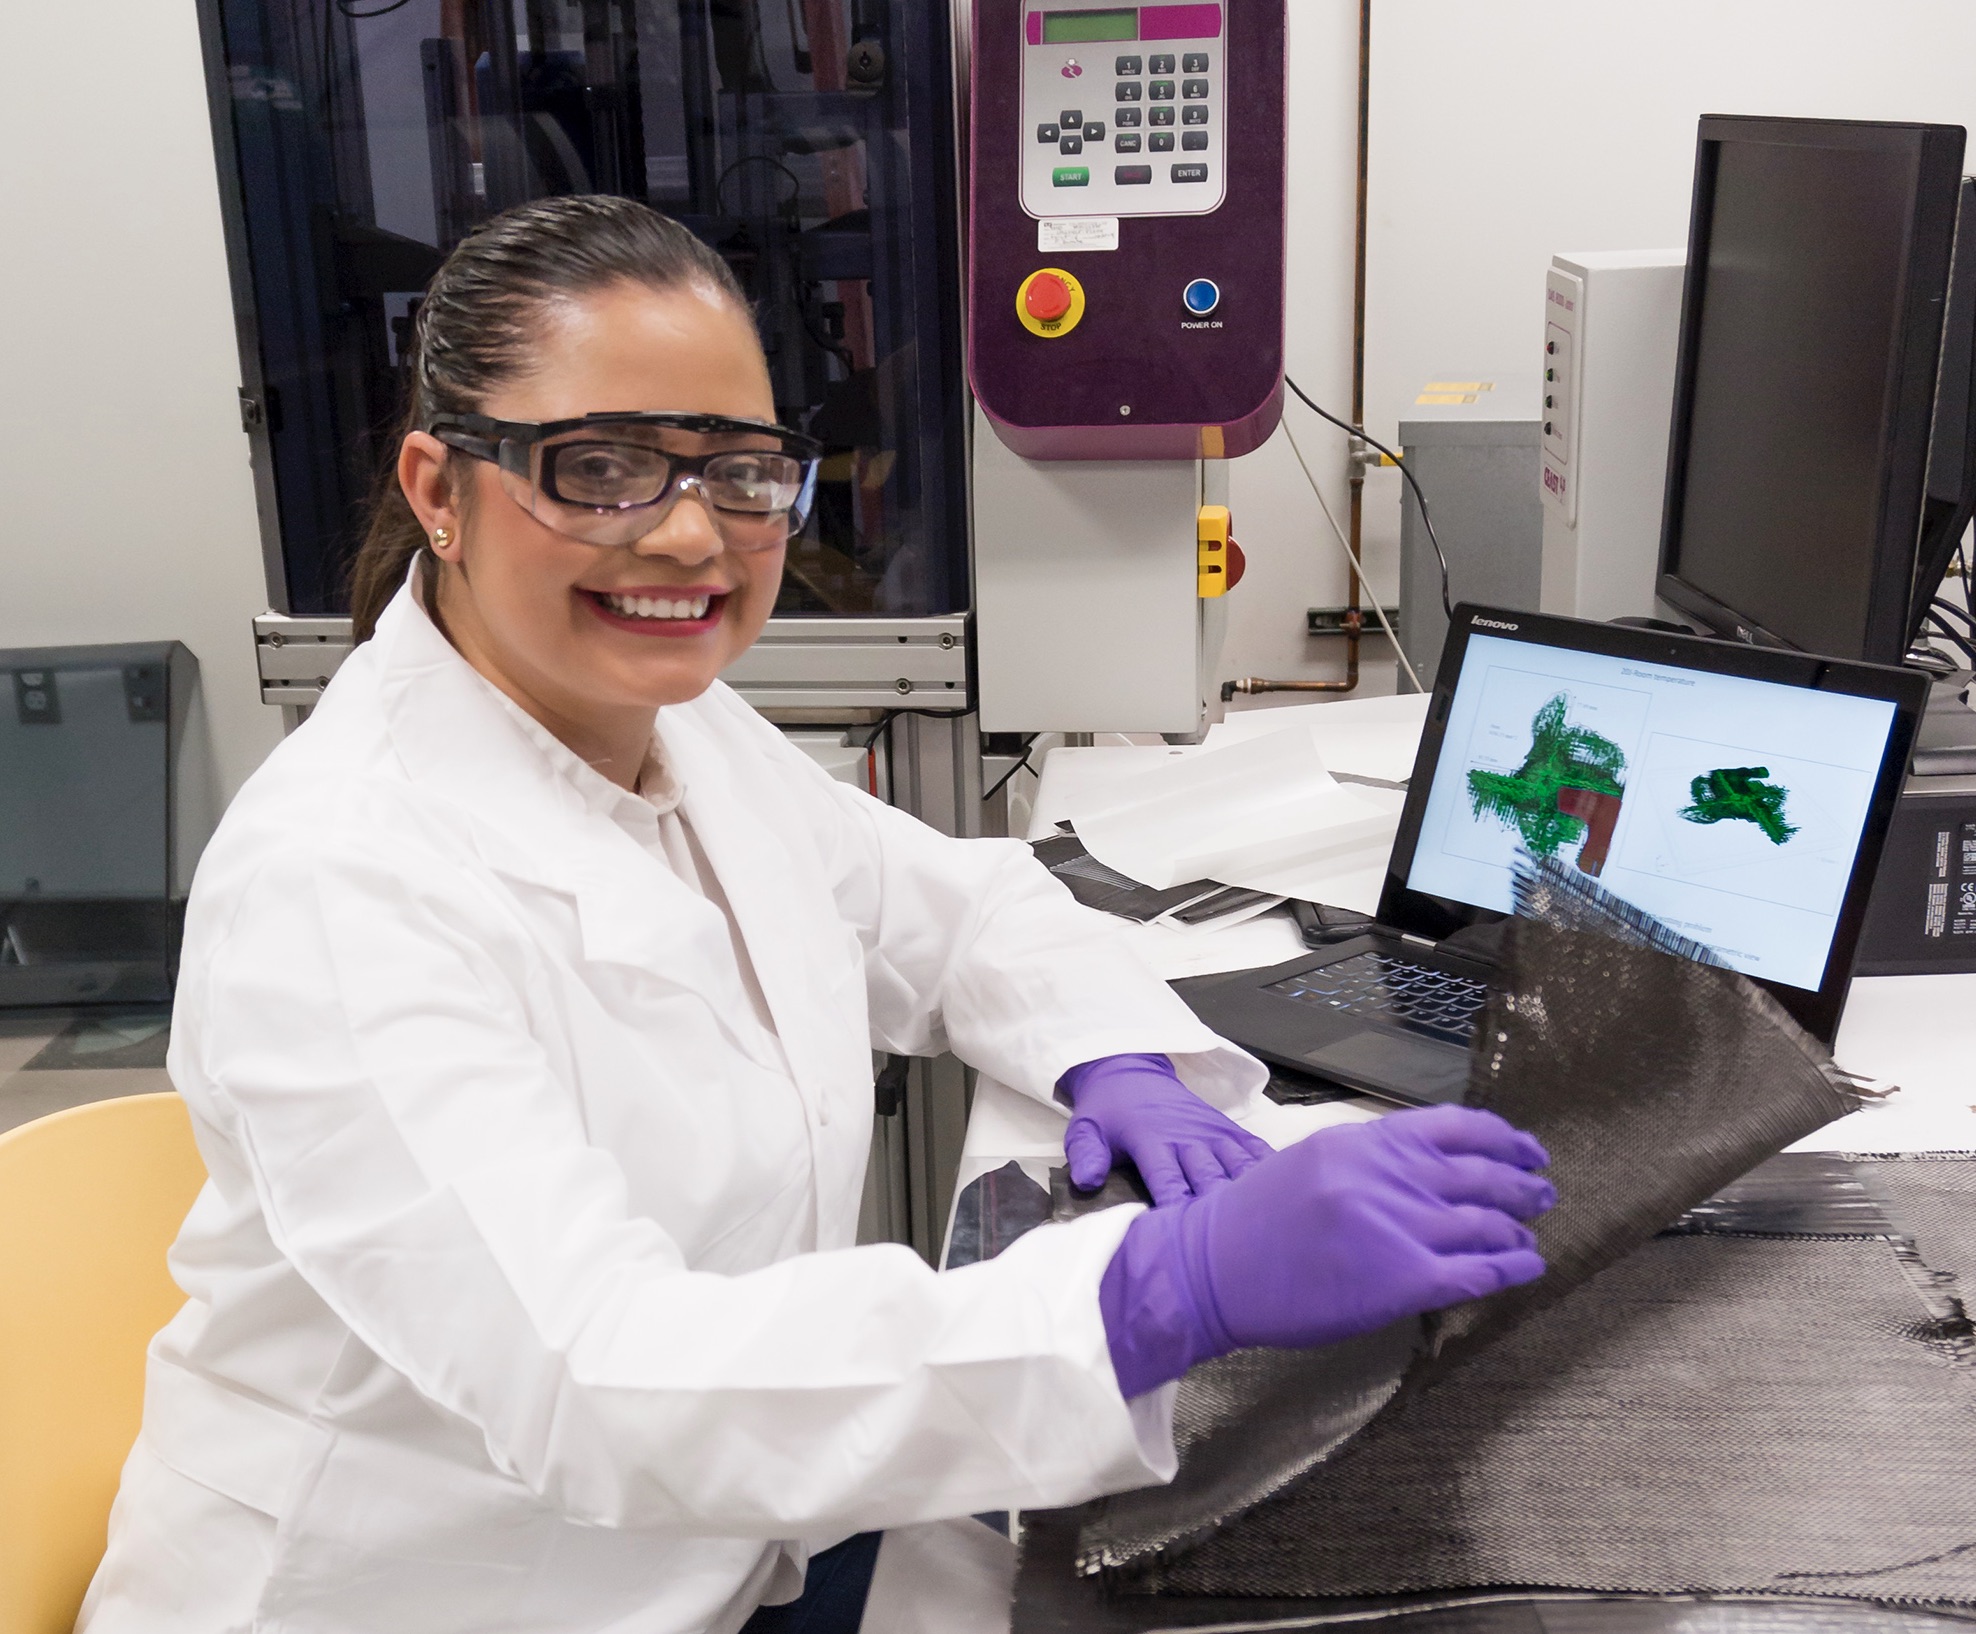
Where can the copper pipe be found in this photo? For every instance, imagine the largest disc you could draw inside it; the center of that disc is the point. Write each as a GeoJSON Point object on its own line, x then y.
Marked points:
{"type": "Point", "coordinates": [1354, 614]}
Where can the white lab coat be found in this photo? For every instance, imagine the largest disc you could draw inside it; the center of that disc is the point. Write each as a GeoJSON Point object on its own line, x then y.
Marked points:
{"type": "Point", "coordinates": [523, 1295]}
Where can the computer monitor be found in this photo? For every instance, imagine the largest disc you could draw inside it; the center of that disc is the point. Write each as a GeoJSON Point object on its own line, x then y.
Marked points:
{"type": "Point", "coordinates": [1950, 501]}
{"type": "Point", "coordinates": [1811, 325]}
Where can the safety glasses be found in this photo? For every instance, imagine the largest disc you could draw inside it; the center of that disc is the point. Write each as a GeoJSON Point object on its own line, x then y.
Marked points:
{"type": "Point", "coordinates": [610, 479]}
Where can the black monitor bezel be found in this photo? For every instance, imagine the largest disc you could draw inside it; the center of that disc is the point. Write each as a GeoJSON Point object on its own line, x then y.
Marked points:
{"type": "Point", "coordinates": [1937, 150]}
{"type": "Point", "coordinates": [1420, 914]}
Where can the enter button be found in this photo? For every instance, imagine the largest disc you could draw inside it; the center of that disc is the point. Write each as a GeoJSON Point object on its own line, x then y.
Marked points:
{"type": "Point", "coordinates": [1190, 173]}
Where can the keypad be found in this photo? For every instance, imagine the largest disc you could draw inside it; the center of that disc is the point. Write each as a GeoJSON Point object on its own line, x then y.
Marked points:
{"type": "Point", "coordinates": [1074, 136]}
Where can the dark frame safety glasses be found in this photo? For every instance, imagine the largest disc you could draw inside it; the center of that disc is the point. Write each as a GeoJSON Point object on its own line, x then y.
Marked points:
{"type": "Point", "coordinates": [610, 479]}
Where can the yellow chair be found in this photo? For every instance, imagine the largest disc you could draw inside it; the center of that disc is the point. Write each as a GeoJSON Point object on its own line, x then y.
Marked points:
{"type": "Point", "coordinates": [90, 1199]}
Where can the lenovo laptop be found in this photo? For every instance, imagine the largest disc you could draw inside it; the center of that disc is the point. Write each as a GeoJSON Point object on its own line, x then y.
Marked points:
{"type": "Point", "coordinates": [1739, 795]}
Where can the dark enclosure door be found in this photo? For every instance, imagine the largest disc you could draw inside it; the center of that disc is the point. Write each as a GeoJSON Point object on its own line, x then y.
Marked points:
{"type": "Point", "coordinates": [809, 141]}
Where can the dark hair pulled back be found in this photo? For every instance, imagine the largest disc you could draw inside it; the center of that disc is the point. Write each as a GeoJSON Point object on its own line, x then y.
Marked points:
{"type": "Point", "coordinates": [478, 325]}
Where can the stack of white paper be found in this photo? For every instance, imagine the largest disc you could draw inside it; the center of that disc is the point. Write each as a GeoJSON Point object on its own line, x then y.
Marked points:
{"type": "Point", "coordinates": [1261, 812]}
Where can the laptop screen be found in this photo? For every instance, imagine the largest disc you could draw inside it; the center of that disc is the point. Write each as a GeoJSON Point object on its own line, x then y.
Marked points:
{"type": "Point", "coordinates": [1729, 808]}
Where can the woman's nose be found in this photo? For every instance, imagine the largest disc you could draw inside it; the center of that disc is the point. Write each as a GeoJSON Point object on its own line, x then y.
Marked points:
{"type": "Point", "coordinates": [687, 532]}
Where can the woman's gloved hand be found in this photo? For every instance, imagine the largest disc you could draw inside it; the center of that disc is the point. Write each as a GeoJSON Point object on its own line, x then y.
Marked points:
{"type": "Point", "coordinates": [1134, 1106]}
{"type": "Point", "coordinates": [1352, 1228]}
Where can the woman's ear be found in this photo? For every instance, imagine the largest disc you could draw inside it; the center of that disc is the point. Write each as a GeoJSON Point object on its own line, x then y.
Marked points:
{"type": "Point", "coordinates": [425, 476]}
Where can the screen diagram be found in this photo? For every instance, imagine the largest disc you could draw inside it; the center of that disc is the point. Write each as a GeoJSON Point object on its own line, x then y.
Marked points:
{"type": "Point", "coordinates": [1569, 788]}
{"type": "Point", "coordinates": [1730, 809]}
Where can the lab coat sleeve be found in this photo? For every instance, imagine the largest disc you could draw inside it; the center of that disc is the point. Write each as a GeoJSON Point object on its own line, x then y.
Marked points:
{"type": "Point", "coordinates": [363, 1033]}
{"type": "Point", "coordinates": [972, 946]}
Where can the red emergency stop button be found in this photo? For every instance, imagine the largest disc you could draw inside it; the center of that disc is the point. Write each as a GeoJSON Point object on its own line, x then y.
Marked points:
{"type": "Point", "coordinates": [1047, 298]}
{"type": "Point", "coordinates": [1050, 302]}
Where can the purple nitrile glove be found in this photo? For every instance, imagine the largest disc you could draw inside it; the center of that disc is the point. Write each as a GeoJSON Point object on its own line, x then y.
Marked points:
{"type": "Point", "coordinates": [1134, 1106]}
{"type": "Point", "coordinates": [1352, 1228]}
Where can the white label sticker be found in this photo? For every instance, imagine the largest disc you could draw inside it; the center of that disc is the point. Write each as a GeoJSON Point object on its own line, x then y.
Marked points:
{"type": "Point", "coordinates": [1077, 233]}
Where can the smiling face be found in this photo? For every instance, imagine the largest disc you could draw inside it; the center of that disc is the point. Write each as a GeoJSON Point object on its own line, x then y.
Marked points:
{"type": "Point", "coordinates": [591, 640]}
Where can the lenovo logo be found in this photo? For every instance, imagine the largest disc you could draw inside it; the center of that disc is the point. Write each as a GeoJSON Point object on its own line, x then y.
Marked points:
{"type": "Point", "coordinates": [1493, 624]}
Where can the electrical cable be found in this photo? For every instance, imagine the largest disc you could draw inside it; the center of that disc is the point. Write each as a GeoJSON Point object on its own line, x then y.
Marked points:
{"type": "Point", "coordinates": [376, 11]}
{"type": "Point", "coordinates": [1345, 544]}
{"type": "Point", "coordinates": [1934, 629]}
{"type": "Point", "coordinates": [1433, 538]}
{"type": "Point", "coordinates": [1022, 762]}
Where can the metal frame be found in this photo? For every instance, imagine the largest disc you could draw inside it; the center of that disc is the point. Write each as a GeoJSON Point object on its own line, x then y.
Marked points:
{"type": "Point", "coordinates": [834, 665]}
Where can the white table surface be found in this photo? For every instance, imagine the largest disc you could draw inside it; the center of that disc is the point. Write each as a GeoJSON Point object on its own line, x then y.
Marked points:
{"type": "Point", "coordinates": [1916, 1032]}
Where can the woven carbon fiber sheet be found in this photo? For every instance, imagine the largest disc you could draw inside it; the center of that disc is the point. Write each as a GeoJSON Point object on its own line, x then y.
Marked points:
{"type": "Point", "coordinates": [1713, 1414]}
{"type": "Point", "coordinates": [1654, 1082]}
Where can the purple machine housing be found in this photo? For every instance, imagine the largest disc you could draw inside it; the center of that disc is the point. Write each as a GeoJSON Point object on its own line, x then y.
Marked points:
{"type": "Point", "coordinates": [1212, 389]}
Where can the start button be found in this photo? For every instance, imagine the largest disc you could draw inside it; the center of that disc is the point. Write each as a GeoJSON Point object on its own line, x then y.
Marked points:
{"type": "Point", "coordinates": [1049, 302]}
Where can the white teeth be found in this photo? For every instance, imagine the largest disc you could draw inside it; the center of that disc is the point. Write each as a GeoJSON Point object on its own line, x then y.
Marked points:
{"type": "Point", "coordinates": [657, 606]}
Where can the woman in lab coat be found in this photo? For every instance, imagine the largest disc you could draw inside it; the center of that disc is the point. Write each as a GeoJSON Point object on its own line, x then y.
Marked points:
{"type": "Point", "coordinates": [529, 1049]}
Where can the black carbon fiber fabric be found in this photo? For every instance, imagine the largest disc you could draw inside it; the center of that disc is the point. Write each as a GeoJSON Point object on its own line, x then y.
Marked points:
{"type": "Point", "coordinates": [1714, 1414]}
{"type": "Point", "coordinates": [1653, 1080]}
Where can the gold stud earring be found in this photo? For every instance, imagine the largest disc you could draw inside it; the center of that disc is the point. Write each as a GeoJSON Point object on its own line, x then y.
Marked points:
{"type": "Point", "coordinates": [440, 538]}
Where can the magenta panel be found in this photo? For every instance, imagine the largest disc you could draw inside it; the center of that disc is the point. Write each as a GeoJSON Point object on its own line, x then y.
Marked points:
{"type": "Point", "coordinates": [1179, 22]}
{"type": "Point", "coordinates": [1035, 28]}
{"type": "Point", "coordinates": [1139, 378]}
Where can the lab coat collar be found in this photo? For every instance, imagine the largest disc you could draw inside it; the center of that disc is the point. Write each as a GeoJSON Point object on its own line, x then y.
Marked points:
{"type": "Point", "coordinates": [530, 806]}
{"type": "Point", "coordinates": [533, 806]}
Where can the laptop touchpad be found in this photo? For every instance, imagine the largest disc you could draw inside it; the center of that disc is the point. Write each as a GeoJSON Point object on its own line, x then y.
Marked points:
{"type": "Point", "coordinates": [1413, 1068]}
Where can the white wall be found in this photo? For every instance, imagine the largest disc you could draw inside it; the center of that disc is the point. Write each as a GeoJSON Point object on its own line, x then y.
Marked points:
{"type": "Point", "coordinates": [126, 506]}
{"type": "Point", "coordinates": [1502, 132]}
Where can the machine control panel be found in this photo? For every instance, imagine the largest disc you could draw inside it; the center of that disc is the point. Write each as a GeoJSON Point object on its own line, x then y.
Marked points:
{"type": "Point", "coordinates": [1124, 108]}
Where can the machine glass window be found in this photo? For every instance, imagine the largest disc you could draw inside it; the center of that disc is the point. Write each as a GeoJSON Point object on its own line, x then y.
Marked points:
{"type": "Point", "coordinates": [1085, 27]}
{"type": "Point", "coordinates": [809, 141]}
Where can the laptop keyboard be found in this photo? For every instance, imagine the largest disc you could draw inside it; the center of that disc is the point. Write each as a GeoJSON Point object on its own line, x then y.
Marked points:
{"type": "Point", "coordinates": [1382, 988]}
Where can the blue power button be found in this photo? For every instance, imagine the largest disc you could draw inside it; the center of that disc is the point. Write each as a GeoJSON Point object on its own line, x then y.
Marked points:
{"type": "Point", "coordinates": [1201, 297]}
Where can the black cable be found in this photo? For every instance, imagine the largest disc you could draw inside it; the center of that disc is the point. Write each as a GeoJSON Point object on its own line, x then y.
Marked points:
{"type": "Point", "coordinates": [1934, 629]}
{"type": "Point", "coordinates": [379, 11]}
{"type": "Point", "coordinates": [1433, 538]}
{"type": "Point", "coordinates": [1002, 782]}
{"type": "Point", "coordinates": [1939, 605]}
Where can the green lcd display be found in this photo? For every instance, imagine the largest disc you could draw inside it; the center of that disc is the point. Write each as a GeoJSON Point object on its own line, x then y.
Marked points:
{"type": "Point", "coordinates": [1085, 27]}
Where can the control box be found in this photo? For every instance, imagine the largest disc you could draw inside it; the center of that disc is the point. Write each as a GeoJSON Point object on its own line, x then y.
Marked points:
{"type": "Point", "coordinates": [1126, 110]}
{"type": "Point", "coordinates": [1126, 243]}
{"type": "Point", "coordinates": [1612, 322]}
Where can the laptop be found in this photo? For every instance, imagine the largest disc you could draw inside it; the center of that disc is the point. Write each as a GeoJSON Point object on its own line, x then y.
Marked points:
{"type": "Point", "coordinates": [1739, 795]}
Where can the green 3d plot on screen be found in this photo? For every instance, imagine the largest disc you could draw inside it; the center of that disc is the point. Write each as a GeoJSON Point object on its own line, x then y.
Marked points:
{"type": "Point", "coordinates": [1737, 794]}
{"type": "Point", "coordinates": [1569, 787]}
